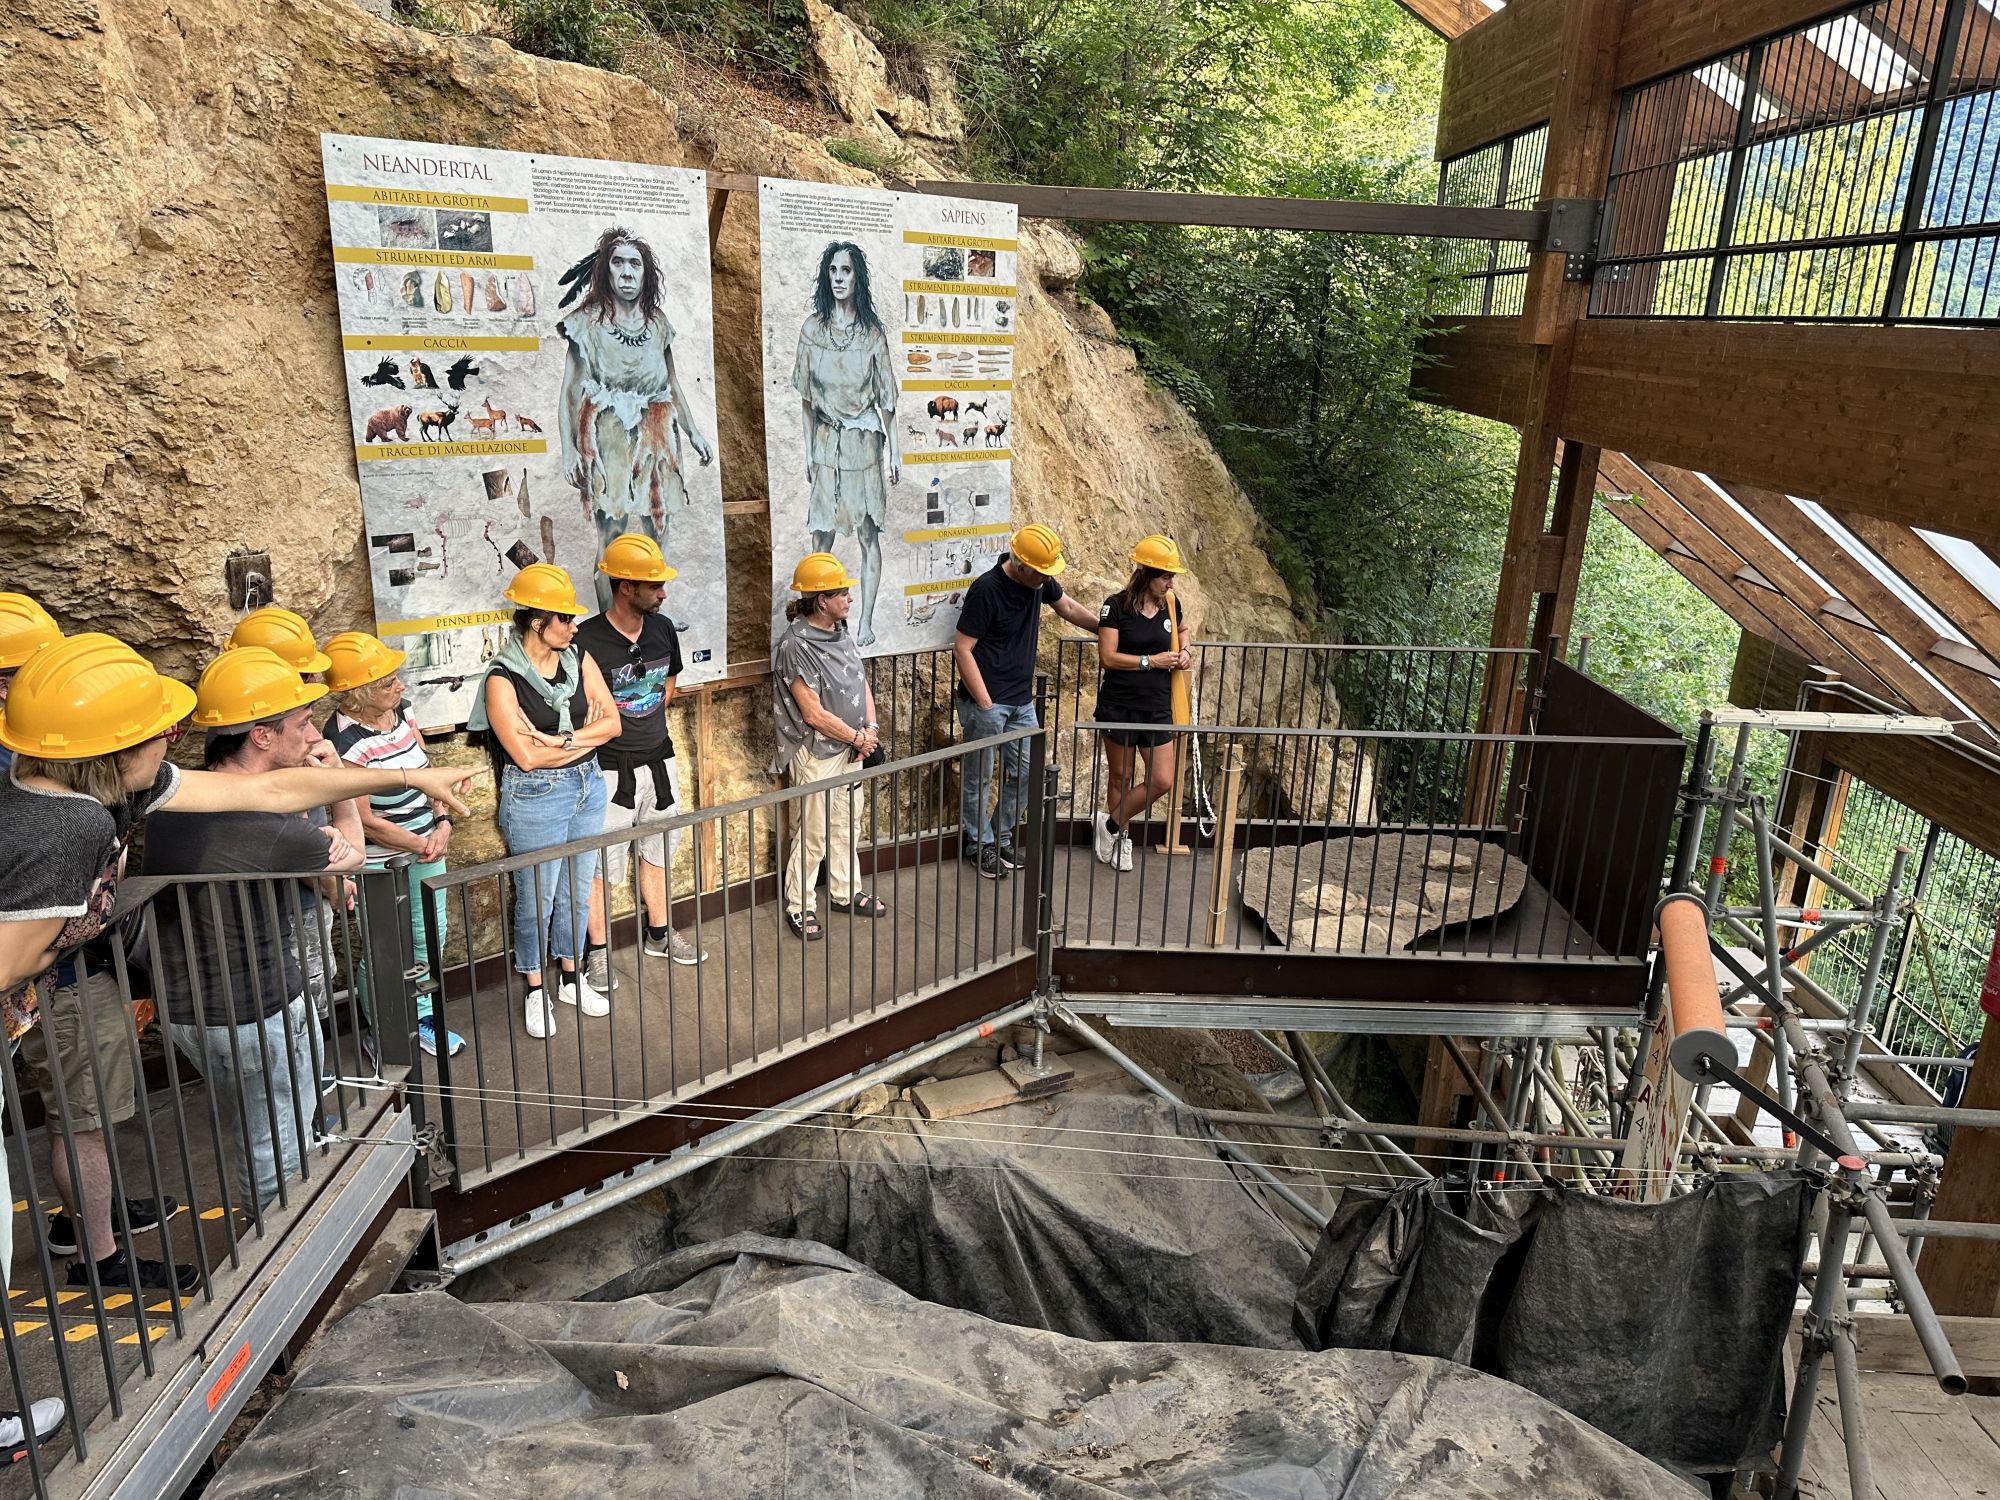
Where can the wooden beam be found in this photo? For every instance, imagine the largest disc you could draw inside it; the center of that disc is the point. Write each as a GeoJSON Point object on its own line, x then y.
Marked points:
{"type": "Point", "coordinates": [1228, 210]}
{"type": "Point", "coordinates": [1576, 165]}
{"type": "Point", "coordinates": [1924, 569]}
{"type": "Point", "coordinates": [1888, 422]}
{"type": "Point", "coordinates": [1963, 1276]}
{"type": "Point", "coordinates": [1718, 591]}
{"type": "Point", "coordinates": [1448, 18]}
{"type": "Point", "coordinates": [1960, 794]}
{"type": "Point", "coordinates": [1562, 547]}
{"type": "Point", "coordinates": [1788, 596]}
{"type": "Point", "coordinates": [1891, 616]}
{"type": "Point", "coordinates": [1502, 76]}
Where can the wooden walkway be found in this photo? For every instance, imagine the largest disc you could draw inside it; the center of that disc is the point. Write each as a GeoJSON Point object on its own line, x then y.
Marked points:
{"type": "Point", "coordinates": [1923, 1444]}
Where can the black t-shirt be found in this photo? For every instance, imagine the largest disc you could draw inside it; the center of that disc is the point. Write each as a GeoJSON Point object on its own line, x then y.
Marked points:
{"type": "Point", "coordinates": [541, 714]}
{"type": "Point", "coordinates": [1136, 697]}
{"type": "Point", "coordinates": [1004, 620]}
{"type": "Point", "coordinates": [637, 673]}
{"type": "Point", "coordinates": [60, 854]}
{"type": "Point", "coordinates": [258, 958]}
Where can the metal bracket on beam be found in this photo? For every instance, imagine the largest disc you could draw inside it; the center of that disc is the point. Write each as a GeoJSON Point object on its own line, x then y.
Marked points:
{"type": "Point", "coordinates": [1573, 230]}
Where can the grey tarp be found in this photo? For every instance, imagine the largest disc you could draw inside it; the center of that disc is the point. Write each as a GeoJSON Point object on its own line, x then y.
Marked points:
{"type": "Point", "coordinates": [759, 1368]}
{"type": "Point", "coordinates": [1100, 1215]}
{"type": "Point", "coordinates": [1662, 1324]}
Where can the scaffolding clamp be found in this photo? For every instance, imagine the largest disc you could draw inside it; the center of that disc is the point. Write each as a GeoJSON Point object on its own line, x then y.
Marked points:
{"type": "Point", "coordinates": [1701, 1065]}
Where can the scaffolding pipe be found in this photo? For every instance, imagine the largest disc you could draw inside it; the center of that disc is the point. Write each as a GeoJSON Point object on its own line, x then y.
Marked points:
{"type": "Point", "coordinates": [1828, 1293]}
{"type": "Point", "coordinates": [1853, 1425]}
{"type": "Point", "coordinates": [1486, 1100]}
{"type": "Point", "coordinates": [1797, 977]}
{"type": "Point", "coordinates": [1774, 961]}
{"type": "Point", "coordinates": [1883, 1112]}
{"type": "Point", "coordinates": [1871, 976]}
{"type": "Point", "coordinates": [1228, 1148]}
{"type": "Point", "coordinates": [1572, 1116]}
{"type": "Point", "coordinates": [1946, 1229]}
{"type": "Point", "coordinates": [1916, 1300]}
{"type": "Point", "coordinates": [1806, 916]}
{"type": "Point", "coordinates": [1812, 867]}
{"type": "Point", "coordinates": [1348, 1112]}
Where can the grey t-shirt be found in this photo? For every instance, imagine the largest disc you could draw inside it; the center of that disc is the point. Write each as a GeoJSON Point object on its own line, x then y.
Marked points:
{"type": "Point", "coordinates": [828, 662]}
{"type": "Point", "coordinates": [242, 972]}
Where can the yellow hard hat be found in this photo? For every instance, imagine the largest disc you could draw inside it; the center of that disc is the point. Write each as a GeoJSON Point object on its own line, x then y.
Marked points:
{"type": "Point", "coordinates": [544, 586]}
{"type": "Point", "coordinates": [820, 573]}
{"type": "Point", "coordinates": [281, 631]}
{"type": "Point", "coordinates": [89, 695]}
{"type": "Point", "coordinates": [1039, 547]}
{"type": "Point", "coordinates": [359, 659]}
{"type": "Point", "coordinates": [247, 685]}
{"type": "Point", "coordinates": [636, 558]}
{"type": "Point", "coordinates": [25, 627]}
{"type": "Point", "coordinates": [1159, 553]}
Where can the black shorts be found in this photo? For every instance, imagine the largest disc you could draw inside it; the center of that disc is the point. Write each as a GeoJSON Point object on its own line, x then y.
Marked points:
{"type": "Point", "coordinates": [1138, 739]}
{"type": "Point", "coordinates": [1129, 713]}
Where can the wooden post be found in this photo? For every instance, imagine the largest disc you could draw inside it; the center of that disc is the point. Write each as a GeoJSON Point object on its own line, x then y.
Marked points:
{"type": "Point", "coordinates": [1183, 711]}
{"type": "Point", "coordinates": [1963, 1276]}
{"type": "Point", "coordinates": [1225, 847]}
{"type": "Point", "coordinates": [708, 873]}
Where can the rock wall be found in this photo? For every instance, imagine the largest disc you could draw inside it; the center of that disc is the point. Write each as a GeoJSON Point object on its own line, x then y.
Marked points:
{"type": "Point", "coordinates": [170, 389]}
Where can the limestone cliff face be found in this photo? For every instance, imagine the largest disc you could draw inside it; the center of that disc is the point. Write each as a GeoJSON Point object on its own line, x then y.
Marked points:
{"type": "Point", "coordinates": [170, 388]}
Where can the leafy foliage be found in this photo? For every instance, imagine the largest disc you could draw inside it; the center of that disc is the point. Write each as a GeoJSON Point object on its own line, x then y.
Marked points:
{"type": "Point", "coordinates": [591, 32]}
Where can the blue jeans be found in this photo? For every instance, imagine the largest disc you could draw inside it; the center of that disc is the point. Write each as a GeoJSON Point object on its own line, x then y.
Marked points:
{"type": "Point", "coordinates": [976, 774]}
{"type": "Point", "coordinates": [256, 1071]}
{"type": "Point", "coordinates": [539, 809]}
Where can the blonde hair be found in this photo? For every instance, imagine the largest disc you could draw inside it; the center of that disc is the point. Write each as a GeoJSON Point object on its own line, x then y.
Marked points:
{"type": "Point", "coordinates": [355, 702]}
{"type": "Point", "coordinates": [98, 777]}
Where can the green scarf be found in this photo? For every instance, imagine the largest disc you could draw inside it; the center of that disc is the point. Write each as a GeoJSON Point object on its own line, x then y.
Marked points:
{"type": "Point", "coordinates": [557, 693]}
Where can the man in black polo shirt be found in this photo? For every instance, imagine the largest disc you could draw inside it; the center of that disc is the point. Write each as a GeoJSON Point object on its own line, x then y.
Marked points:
{"type": "Point", "coordinates": [998, 630]}
{"type": "Point", "coordinates": [639, 652]}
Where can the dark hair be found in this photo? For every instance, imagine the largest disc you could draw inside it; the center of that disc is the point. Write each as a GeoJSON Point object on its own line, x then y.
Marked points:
{"type": "Point", "coordinates": [226, 745]}
{"type": "Point", "coordinates": [805, 604]}
{"type": "Point", "coordinates": [525, 620]}
{"type": "Point", "coordinates": [864, 300]}
{"type": "Point", "coordinates": [1135, 586]}
{"type": "Point", "coordinates": [598, 298]}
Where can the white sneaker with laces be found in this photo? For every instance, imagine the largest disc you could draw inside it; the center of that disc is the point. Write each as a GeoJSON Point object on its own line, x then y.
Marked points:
{"type": "Point", "coordinates": [583, 997]}
{"type": "Point", "coordinates": [1124, 851]}
{"type": "Point", "coordinates": [1103, 842]}
{"type": "Point", "coordinates": [541, 1015]}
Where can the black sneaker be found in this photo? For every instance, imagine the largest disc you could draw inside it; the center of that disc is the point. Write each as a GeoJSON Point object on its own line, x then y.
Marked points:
{"type": "Point", "coordinates": [990, 865]}
{"type": "Point", "coordinates": [125, 1272]}
{"type": "Point", "coordinates": [141, 1213]}
{"type": "Point", "coordinates": [1010, 857]}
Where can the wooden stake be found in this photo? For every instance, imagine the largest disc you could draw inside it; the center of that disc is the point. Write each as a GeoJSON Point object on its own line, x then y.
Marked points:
{"type": "Point", "coordinates": [1225, 847]}
{"type": "Point", "coordinates": [1183, 711]}
{"type": "Point", "coordinates": [708, 875]}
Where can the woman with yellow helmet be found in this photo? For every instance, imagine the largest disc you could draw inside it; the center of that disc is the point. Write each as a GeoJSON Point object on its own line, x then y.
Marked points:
{"type": "Point", "coordinates": [548, 708]}
{"type": "Point", "coordinates": [1136, 648]}
{"type": "Point", "coordinates": [25, 627]}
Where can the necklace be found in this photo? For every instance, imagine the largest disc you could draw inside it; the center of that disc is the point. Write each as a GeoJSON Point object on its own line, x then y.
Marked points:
{"type": "Point", "coordinates": [632, 340]}
{"type": "Point", "coordinates": [841, 335]}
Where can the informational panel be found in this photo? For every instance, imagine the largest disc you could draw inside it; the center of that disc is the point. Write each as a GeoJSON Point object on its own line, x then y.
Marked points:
{"type": "Point", "coordinates": [528, 344]}
{"type": "Point", "coordinates": [889, 323]}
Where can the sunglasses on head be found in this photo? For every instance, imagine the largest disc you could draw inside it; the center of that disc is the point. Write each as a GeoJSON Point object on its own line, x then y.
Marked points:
{"type": "Point", "coordinates": [172, 733]}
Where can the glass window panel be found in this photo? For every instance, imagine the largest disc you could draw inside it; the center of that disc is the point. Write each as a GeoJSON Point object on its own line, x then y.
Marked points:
{"type": "Point", "coordinates": [1887, 576]}
{"type": "Point", "coordinates": [1970, 559]}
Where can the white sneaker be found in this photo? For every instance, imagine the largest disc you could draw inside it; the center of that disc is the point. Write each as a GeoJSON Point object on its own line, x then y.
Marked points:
{"type": "Point", "coordinates": [583, 997]}
{"type": "Point", "coordinates": [541, 1015]}
{"type": "Point", "coordinates": [47, 1415]}
{"type": "Point", "coordinates": [1124, 851]}
{"type": "Point", "coordinates": [1103, 842]}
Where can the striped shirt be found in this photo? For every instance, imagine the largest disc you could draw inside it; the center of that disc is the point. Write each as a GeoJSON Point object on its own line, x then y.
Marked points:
{"type": "Point", "coordinates": [397, 748]}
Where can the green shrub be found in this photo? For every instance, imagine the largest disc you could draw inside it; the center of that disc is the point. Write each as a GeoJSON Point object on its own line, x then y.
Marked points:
{"type": "Point", "coordinates": [590, 32]}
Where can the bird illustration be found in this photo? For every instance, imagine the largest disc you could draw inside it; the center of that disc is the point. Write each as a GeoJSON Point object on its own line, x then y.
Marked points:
{"type": "Point", "coordinates": [421, 376]}
{"type": "Point", "coordinates": [461, 370]}
{"type": "Point", "coordinates": [385, 374]}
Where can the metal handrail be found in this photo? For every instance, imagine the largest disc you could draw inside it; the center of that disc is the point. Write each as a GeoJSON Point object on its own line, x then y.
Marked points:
{"type": "Point", "coordinates": [1462, 737]}
{"type": "Point", "coordinates": [679, 822]}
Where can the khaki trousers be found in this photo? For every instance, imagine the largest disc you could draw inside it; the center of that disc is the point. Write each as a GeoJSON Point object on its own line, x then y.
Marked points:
{"type": "Point", "coordinates": [823, 830]}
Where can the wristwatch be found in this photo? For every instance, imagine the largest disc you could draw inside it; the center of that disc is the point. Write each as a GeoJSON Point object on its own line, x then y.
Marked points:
{"type": "Point", "coordinates": [1145, 663]}
{"type": "Point", "coordinates": [569, 741]}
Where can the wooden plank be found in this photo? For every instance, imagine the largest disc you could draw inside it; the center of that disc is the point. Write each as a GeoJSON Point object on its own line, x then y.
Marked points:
{"type": "Point", "coordinates": [1448, 18]}
{"type": "Point", "coordinates": [1902, 1457]}
{"type": "Point", "coordinates": [1501, 76]}
{"type": "Point", "coordinates": [1925, 570]}
{"type": "Point", "coordinates": [1888, 1343]}
{"type": "Point", "coordinates": [955, 1097]}
{"type": "Point", "coordinates": [746, 507]}
{"type": "Point", "coordinates": [1886, 422]}
{"type": "Point", "coordinates": [708, 876]}
{"type": "Point", "coordinates": [1230, 210]}
{"type": "Point", "coordinates": [1963, 1276]}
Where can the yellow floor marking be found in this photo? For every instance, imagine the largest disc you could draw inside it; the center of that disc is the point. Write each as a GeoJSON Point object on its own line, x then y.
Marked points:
{"type": "Point", "coordinates": [79, 1333]}
{"type": "Point", "coordinates": [211, 1213]}
{"type": "Point", "coordinates": [112, 1303]}
{"type": "Point", "coordinates": [21, 1328]}
{"type": "Point", "coordinates": [151, 1334]}
{"type": "Point", "coordinates": [63, 1299]}
{"type": "Point", "coordinates": [20, 1205]}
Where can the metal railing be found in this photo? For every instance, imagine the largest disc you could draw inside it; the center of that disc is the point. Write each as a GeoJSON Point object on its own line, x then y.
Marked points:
{"type": "Point", "coordinates": [766, 990]}
{"type": "Point", "coordinates": [203, 1075]}
{"type": "Point", "coordinates": [1360, 842]}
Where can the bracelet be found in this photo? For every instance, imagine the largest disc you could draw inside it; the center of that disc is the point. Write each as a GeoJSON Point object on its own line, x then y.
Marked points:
{"type": "Point", "coordinates": [406, 778]}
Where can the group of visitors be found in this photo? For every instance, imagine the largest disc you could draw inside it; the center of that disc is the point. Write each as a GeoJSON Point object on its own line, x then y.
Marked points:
{"type": "Point", "coordinates": [826, 721]}
{"type": "Point", "coordinates": [574, 714]}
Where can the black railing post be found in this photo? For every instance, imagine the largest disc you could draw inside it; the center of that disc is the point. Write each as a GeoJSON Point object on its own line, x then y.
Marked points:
{"type": "Point", "coordinates": [1924, 159]}
{"type": "Point", "coordinates": [1035, 868]}
{"type": "Point", "coordinates": [1732, 191]}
